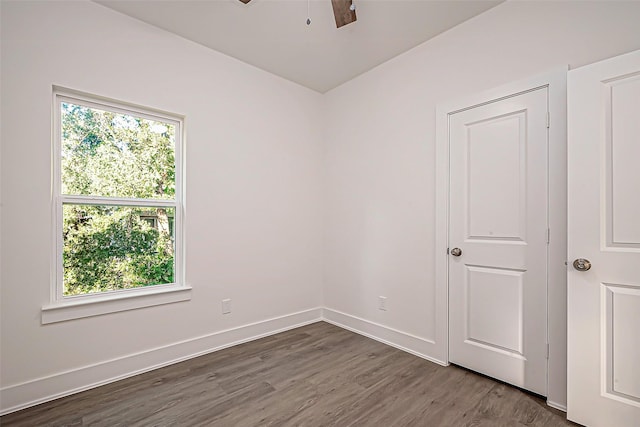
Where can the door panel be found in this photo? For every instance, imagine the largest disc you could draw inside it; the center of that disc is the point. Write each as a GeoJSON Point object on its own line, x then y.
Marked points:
{"type": "Point", "coordinates": [604, 227]}
{"type": "Point", "coordinates": [622, 168]}
{"type": "Point", "coordinates": [496, 214]}
{"type": "Point", "coordinates": [622, 317]}
{"type": "Point", "coordinates": [498, 217]}
{"type": "Point", "coordinates": [501, 328]}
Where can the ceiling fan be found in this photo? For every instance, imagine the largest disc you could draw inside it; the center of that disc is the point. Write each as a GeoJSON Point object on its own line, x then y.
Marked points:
{"type": "Point", "coordinates": [343, 10]}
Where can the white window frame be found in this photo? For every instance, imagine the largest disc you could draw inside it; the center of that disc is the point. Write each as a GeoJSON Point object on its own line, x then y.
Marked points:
{"type": "Point", "coordinates": [62, 308]}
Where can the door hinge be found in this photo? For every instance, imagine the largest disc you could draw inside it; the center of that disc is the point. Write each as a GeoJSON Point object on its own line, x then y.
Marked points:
{"type": "Point", "coordinates": [547, 350]}
{"type": "Point", "coordinates": [548, 119]}
{"type": "Point", "coordinates": [548, 234]}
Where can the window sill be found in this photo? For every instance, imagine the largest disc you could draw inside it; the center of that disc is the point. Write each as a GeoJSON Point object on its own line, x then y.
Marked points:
{"type": "Point", "coordinates": [112, 303]}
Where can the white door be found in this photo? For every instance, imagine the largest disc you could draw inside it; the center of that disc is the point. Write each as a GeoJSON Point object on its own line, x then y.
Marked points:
{"type": "Point", "coordinates": [604, 228]}
{"type": "Point", "coordinates": [498, 221]}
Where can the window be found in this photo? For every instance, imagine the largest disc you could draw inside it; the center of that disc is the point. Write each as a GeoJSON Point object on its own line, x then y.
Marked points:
{"type": "Point", "coordinates": [117, 203]}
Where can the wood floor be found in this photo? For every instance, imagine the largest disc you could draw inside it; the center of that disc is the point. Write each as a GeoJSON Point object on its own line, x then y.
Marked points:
{"type": "Point", "coordinates": [317, 375]}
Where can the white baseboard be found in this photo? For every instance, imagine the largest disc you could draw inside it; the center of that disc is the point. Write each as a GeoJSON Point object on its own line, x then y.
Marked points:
{"type": "Point", "coordinates": [44, 389]}
{"type": "Point", "coordinates": [412, 344]}
{"type": "Point", "coordinates": [557, 406]}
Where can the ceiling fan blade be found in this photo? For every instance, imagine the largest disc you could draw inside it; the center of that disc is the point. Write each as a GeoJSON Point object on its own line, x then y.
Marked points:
{"type": "Point", "coordinates": [343, 13]}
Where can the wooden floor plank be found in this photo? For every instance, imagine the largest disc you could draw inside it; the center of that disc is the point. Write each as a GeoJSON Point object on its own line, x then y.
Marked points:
{"type": "Point", "coordinates": [317, 375]}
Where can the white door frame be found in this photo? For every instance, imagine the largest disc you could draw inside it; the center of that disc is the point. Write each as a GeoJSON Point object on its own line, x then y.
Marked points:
{"type": "Point", "coordinates": [556, 81]}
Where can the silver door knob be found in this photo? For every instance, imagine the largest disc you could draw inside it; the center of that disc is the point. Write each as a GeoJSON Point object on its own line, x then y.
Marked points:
{"type": "Point", "coordinates": [456, 251]}
{"type": "Point", "coordinates": [582, 264]}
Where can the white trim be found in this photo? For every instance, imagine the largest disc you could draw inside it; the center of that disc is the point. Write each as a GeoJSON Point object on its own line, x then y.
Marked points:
{"type": "Point", "coordinates": [44, 389]}
{"type": "Point", "coordinates": [62, 307]}
{"type": "Point", "coordinates": [441, 305]}
{"type": "Point", "coordinates": [557, 406]}
{"type": "Point", "coordinates": [418, 346]}
{"type": "Point", "coordinates": [100, 102]}
{"type": "Point", "coordinates": [556, 81]}
{"type": "Point", "coordinates": [113, 302]}
{"type": "Point", "coordinates": [115, 201]}
{"type": "Point", "coordinates": [556, 267]}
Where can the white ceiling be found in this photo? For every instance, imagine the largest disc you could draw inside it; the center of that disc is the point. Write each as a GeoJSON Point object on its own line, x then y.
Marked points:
{"type": "Point", "coordinates": [273, 35]}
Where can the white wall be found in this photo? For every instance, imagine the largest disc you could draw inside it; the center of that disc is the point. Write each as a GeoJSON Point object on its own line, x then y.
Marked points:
{"type": "Point", "coordinates": [380, 150]}
{"type": "Point", "coordinates": [254, 220]}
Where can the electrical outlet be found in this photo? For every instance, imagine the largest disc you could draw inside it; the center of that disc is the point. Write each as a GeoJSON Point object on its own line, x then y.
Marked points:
{"type": "Point", "coordinates": [382, 303]}
{"type": "Point", "coordinates": [226, 306]}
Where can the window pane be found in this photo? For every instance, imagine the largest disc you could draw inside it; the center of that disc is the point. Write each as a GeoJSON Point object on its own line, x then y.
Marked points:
{"type": "Point", "coordinates": [107, 248]}
{"type": "Point", "coordinates": [116, 155]}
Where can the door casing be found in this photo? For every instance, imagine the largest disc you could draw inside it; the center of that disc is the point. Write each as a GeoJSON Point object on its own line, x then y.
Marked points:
{"type": "Point", "coordinates": [556, 81]}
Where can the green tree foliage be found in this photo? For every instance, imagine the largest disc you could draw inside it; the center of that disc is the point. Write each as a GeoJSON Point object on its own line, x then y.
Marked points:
{"type": "Point", "coordinates": [116, 155]}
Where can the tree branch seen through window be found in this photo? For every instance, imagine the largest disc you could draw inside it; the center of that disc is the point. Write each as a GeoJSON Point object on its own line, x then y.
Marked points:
{"type": "Point", "coordinates": [118, 199]}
